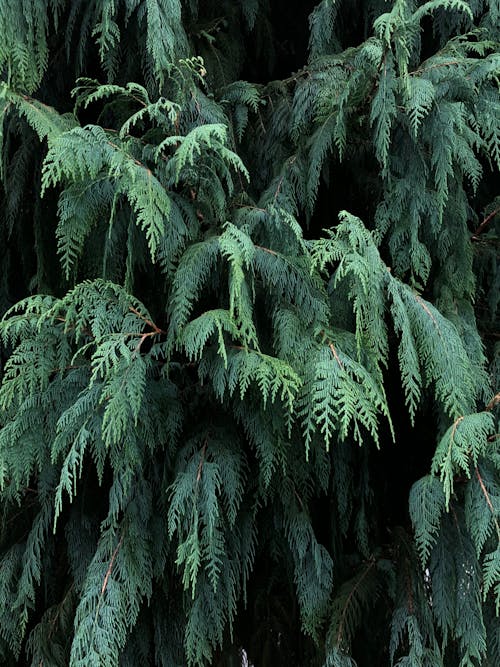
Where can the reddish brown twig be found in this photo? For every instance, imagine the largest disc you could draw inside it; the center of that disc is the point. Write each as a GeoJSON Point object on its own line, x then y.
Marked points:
{"type": "Point", "coordinates": [488, 501]}
{"type": "Point", "coordinates": [485, 222]}
{"type": "Point", "coordinates": [149, 322]}
{"type": "Point", "coordinates": [202, 460]}
{"type": "Point", "coordinates": [110, 566]}
{"type": "Point", "coordinates": [340, 630]}
{"type": "Point", "coordinates": [271, 252]}
{"type": "Point", "coordinates": [494, 401]}
{"type": "Point", "coordinates": [334, 352]}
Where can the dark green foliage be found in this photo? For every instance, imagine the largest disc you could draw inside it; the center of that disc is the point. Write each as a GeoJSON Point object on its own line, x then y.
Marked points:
{"type": "Point", "coordinates": [250, 364]}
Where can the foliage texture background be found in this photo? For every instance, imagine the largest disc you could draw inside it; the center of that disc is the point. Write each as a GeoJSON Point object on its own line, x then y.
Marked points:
{"type": "Point", "coordinates": [250, 354]}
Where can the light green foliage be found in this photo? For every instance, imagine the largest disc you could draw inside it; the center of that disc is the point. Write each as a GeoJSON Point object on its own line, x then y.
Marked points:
{"type": "Point", "coordinates": [249, 333]}
{"type": "Point", "coordinates": [45, 120]}
{"type": "Point", "coordinates": [427, 503]}
{"type": "Point", "coordinates": [460, 447]}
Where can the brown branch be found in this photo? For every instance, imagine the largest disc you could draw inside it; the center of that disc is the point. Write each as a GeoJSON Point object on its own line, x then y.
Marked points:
{"type": "Point", "coordinates": [71, 367]}
{"type": "Point", "coordinates": [455, 426]}
{"type": "Point", "coordinates": [131, 157]}
{"type": "Point", "coordinates": [421, 303]}
{"type": "Point", "coordinates": [26, 506]}
{"type": "Point", "coordinates": [485, 222]}
{"type": "Point", "coordinates": [105, 583]}
{"type": "Point", "coordinates": [296, 76]}
{"type": "Point", "coordinates": [452, 435]}
{"type": "Point", "coordinates": [253, 208]}
{"type": "Point", "coordinates": [139, 101]}
{"type": "Point", "coordinates": [202, 461]}
{"type": "Point", "coordinates": [138, 139]}
{"type": "Point", "coordinates": [348, 601]}
{"type": "Point", "coordinates": [69, 327]}
{"type": "Point", "coordinates": [31, 101]}
{"type": "Point", "coordinates": [110, 566]}
{"type": "Point", "coordinates": [59, 609]}
{"type": "Point", "coordinates": [485, 492]}
{"type": "Point", "coordinates": [271, 252]}
{"type": "Point", "coordinates": [494, 401]}
{"type": "Point", "coordinates": [278, 189]}
{"type": "Point", "coordinates": [448, 63]}
{"type": "Point", "coordinates": [488, 501]}
{"type": "Point", "coordinates": [334, 352]}
{"type": "Point", "coordinates": [142, 339]}
{"type": "Point", "coordinates": [300, 501]}
{"type": "Point", "coordinates": [149, 322]}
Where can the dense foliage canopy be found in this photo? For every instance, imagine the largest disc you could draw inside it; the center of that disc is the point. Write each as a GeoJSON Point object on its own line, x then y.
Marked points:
{"type": "Point", "coordinates": [250, 358]}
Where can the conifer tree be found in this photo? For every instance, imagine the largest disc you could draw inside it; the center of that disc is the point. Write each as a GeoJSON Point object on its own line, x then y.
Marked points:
{"type": "Point", "coordinates": [250, 345]}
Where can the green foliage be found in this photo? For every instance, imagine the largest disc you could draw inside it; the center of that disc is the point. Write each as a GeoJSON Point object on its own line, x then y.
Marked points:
{"type": "Point", "coordinates": [461, 446]}
{"type": "Point", "coordinates": [249, 333]}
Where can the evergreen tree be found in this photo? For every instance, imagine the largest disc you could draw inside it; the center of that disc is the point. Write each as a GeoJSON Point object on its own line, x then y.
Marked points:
{"type": "Point", "coordinates": [250, 351]}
